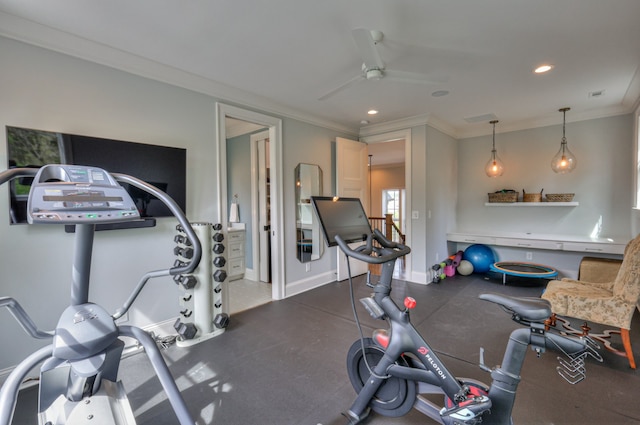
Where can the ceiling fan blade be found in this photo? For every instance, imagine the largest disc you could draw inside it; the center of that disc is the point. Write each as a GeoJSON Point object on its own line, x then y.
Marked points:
{"type": "Point", "coordinates": [343, 86]}
{"type": "Point", "coordinates": [367, 47]}
{"type": "Point", "coordinates": [413, 77]}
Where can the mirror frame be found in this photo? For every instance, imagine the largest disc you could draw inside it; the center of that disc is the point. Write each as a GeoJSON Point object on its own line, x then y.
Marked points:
{"type": "Point", "coordinates": [309, 242]}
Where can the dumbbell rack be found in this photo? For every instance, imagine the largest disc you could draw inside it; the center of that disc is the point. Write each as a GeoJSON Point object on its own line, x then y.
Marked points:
{"type": "Point", "coordinates": [204, 299]}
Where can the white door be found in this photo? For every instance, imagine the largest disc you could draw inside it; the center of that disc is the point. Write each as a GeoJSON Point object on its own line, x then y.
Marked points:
{"type": "Point", "coordinates": [264, 211]}
{"type": "Point", "coordinates": [352, 181]}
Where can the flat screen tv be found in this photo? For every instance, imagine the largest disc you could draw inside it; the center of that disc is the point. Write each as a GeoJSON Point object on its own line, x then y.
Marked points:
{"type": "Point", "coordinates": [162, 166]}
{"type": "Point", "coordinates": [341, 216]}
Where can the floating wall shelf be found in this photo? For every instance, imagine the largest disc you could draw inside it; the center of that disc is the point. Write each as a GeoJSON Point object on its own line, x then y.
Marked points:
{"type": "Point", "coordinates": [531, 204]}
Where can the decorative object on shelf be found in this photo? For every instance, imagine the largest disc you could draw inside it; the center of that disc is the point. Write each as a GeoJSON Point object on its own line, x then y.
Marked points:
{"type": "Point", "coordinates": [531, 197]}
{"type": "Point", "coordinates": [564, 161]}
{"type": "Point", "coordinates": [559, 197]}
{"type": "Point", "coordinates": [503, 196]}
{"type": "Point", "coordinates": [494, 167]}
{"type": "Point", "coordinates": [234, 213]}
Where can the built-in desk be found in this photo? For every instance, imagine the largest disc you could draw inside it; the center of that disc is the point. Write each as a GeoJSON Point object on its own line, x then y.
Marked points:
{"type": "Point", "coordinates": [573, 243]}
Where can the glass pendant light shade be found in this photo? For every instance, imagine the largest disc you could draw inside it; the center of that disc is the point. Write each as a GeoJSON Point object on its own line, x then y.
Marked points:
{"type": "Point", "coordinates": [564, 161]}
{"type": "Point", "coordinates": [495, 166]}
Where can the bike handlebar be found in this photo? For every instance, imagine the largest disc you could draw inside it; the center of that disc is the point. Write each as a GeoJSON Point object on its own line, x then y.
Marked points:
{"type": "Point", "coordinates": [390, 250]}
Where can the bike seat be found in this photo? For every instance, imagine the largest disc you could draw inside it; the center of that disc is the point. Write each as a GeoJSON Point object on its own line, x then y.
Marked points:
{"type": "Point", "coordinates": [527, 308]}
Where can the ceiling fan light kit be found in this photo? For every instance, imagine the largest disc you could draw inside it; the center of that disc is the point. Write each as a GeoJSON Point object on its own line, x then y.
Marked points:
{"type": "Point", "coordinates": [374, 74]}
{"type": "Point", "coordinates": [373, 68]}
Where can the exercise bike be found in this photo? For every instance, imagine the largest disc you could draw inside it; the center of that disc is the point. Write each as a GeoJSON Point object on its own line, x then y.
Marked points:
{"type": "Point", "coordinates": [79, 374]}
{"type": "Point", "coordinates": [396, 370]}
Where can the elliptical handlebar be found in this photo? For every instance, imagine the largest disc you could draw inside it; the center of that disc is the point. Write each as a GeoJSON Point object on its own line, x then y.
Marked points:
{"type": "Point", "coordinates": [13, 173]}
{"type": "Point", "coordinates": [178, 214]}
{"type": "Point", "coordinates": [390, 250]}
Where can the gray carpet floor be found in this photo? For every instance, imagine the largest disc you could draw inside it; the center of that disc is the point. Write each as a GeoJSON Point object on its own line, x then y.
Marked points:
{"type": "Point", "coordinates": [284, 362]}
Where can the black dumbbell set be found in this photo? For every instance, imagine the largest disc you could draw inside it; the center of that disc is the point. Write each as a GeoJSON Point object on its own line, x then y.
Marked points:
{"type": "Point", "coordinates": [202, 301]}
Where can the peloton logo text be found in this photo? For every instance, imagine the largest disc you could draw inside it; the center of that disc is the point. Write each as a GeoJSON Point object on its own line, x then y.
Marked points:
{"type": "Point", "coordinates": [425, 352]}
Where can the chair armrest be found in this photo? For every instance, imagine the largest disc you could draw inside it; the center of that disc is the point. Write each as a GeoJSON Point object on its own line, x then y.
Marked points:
{"type": "Point", "coordinates": [602, 285]}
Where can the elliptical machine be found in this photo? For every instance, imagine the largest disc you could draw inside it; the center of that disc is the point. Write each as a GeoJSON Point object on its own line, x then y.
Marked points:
{"type": "Point", "coordinates": [79, 376]}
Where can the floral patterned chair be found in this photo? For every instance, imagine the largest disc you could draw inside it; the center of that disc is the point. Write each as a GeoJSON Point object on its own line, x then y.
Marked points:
{"type": "Point", "coordinates": [607, 303]}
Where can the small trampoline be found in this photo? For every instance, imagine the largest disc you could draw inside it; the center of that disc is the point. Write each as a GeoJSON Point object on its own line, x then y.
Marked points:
{"type": "Point", "coordinates": [520, 269]}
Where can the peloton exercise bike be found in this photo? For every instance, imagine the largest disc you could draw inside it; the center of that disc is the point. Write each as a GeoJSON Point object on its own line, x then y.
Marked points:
{"type": "Point", "coordinates": [396, 369]}
{"type": "Point", "coordinates": [78, 379]}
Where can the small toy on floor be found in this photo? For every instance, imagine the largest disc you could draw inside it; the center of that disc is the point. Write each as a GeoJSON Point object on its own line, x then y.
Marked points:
{"type": "Point", "coordinates": [446, 268]}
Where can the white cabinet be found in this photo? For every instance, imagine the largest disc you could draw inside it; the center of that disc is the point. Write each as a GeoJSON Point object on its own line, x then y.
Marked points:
{"type": "Point", "coordinates": [236, 253]}
{"type": "Point", "coordinates": [571, 243]}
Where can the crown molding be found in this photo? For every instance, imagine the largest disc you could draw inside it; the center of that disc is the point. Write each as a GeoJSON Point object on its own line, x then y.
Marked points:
{"type": "Point", "coordinates": [30, 32]}
{"type": "Point", "coordinates": [404, 123]}
{"type": "Point", "coordinates": [631, 97]}
{"type": "Point", "coordinates": [546, 121]}
{"type": "Point", "coordinates": [33, 33]}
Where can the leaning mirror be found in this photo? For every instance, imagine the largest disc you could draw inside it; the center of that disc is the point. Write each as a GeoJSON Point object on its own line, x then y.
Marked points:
{"type": "Point", "coordinates": [309, 246]}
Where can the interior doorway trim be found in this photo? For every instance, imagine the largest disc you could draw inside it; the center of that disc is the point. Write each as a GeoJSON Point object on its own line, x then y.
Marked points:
{"type": "Point", "coordinates": [390, 137]}
{"type": "Point", "coordinates": [275, 159]}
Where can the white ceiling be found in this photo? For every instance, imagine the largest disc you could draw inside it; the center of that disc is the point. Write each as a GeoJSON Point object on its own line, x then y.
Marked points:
{"type": "Point", "coordinates": [283, 55]}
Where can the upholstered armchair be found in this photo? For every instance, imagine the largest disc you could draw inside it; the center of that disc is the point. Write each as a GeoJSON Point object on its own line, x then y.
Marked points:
{"type": "Point", "coordinates": [607, 303]}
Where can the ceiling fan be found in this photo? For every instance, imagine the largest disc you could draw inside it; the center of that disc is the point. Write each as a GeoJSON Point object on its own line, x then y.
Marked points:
{"type": "Point", "coordinates": [373, 68]}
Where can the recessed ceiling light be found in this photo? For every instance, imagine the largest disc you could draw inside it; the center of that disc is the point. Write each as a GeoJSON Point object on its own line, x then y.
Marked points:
{"type": "Point", "coordinates": [372, 112]}
{"type": "Point", "coordinates": [543, 68]}
{"type": "Point", "coordinates": [440, 93]}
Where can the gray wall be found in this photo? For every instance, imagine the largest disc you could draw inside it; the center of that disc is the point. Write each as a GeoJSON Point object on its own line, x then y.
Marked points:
{"type": "Point", "coordinates": [602, 183]}
{"type": "Point", "coordinates": [310, 144]}
{"type": "Point", "coordinates": [50, 91]}
{"type": "Point", "coordinates": [239, 182]}
{"type": "Point", "coordinates": [46, 90]}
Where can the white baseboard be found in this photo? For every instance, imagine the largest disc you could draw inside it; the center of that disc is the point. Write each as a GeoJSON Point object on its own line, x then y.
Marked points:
{"type": "Point", "coordinates": [303, 285]}
{"type": "Point", "coordinates": [420, 277]}
{"type": "Point", "coordinates": [251, 274]}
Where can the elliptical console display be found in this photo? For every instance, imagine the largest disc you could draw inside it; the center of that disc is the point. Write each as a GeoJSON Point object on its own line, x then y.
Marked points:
{"type": "Point", "coordinates": [73, 194]}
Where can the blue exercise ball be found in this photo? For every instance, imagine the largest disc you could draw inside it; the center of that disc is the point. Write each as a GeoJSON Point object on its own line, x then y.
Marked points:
{"type": "Point", "coordinates": [480, 256]}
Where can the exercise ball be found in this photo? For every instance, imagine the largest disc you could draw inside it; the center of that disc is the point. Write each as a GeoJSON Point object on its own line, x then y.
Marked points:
{"type": "Point", "coordinates": [465, 268]}
{"type": "Point", "coordinates": [480, 256]}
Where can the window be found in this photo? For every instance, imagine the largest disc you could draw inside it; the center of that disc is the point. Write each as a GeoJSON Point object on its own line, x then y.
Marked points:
{"type": "Point", "coordinates": [393, 203]}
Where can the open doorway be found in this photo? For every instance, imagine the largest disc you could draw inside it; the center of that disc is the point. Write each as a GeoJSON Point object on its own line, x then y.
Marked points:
{"type": "Point", "coordinates": [390, 187]}
{"type": "Point", "coordinates": [232, 123]}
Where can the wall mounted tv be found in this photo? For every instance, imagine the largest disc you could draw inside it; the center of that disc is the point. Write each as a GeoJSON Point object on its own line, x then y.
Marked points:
{"type": "Point", "coordinates": [164, 167]}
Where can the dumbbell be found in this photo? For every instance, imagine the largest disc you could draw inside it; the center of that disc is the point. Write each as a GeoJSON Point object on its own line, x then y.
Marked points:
{"type": "Point", "coordinates": [218, 248]}
{"type": "Point", "coordinates": [185, 330]}
{"type": "Point", "coordinates": [219, 262]}
{"type": "Point", "coordinates": [182, 239]}
{"type": "Point", "coordinates": [219, 275]}
{"type": "Point", "coordinates": [221, 321]}
{"type": "Point", "coordinates": [218, 237]}
{"type": "Point", "coordinates": [187, 282]}
{"type": "Point", "coordinates": [185, 252]}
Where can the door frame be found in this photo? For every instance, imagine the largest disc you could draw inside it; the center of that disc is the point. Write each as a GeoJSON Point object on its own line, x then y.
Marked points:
{"type": "Point", "coordinates": [275, 159]}
{"type": "Point", "coordinates": [257, 233]}
{"type": "Point", "coordinates": [390, 137]}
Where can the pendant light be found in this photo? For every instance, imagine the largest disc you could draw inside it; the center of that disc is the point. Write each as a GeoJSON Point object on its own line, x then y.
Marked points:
{"type": "Point", "coordinates": [494, 167]}
{"type": "Point", "coordinates": [564, 161]}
